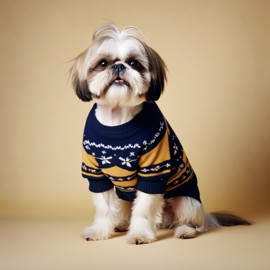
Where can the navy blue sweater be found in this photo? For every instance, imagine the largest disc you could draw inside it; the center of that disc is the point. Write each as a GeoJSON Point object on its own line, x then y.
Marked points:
{"type": "Point", "coordinates": [143, 154]}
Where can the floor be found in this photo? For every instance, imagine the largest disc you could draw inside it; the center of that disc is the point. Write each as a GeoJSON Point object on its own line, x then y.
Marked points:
{"type": "Point", "coordinates": [56, 244]}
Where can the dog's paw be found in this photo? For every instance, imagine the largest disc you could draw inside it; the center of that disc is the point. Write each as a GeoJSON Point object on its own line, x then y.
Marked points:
{"type": "Point", "coordinates": [140, 232]}
{"type": "Point", "coordinates": [185, 232]}
{"type": "Point", "coordinates": [94, 233]}
{"type": "Point", "coordinates": [139, 239]}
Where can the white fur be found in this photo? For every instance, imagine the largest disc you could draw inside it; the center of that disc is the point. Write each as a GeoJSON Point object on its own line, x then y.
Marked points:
{"type": "Point", "coordinates": [111, 213]}
{"type": "Point", "coordinates": [189, 217]}
{"type": "Point", "coordinates": [114, 116]}
{"type": "Point", "coordinates": [146, 216]}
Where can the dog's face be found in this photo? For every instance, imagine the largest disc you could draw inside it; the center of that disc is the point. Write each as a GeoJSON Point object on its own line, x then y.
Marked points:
{"type": "Point", "coordinates": [118, 69]}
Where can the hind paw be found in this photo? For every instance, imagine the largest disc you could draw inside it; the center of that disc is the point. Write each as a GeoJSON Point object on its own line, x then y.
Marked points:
{"type": "Point", "coordinates": [185, 232]}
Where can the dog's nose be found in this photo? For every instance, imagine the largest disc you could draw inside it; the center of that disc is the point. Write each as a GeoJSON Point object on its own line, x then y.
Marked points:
{"type": "Point", "coordinates": [118, 68]}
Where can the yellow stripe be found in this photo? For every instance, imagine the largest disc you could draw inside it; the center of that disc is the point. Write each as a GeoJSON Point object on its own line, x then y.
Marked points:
{"type": "Point", "coordinates": [92, 174]}
{"type": "Point", "coordinates": [89, 160]}
{"type": "Point", "coordinates": [180, 184]}
{"type": "Point", "coordinates": [185, 159]}
{"type": "Point", "coordinates": [117, 171]}
{"type": "Point", "coordinates": [157, 155]}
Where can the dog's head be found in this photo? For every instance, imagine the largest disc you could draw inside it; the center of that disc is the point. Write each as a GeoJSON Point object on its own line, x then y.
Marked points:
{"type": "Point", "coordinates": [118, 68]}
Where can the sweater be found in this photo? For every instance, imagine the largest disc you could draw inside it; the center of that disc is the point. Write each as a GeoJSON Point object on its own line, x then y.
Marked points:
{"type": "Point", "coordinates": [143, 154]}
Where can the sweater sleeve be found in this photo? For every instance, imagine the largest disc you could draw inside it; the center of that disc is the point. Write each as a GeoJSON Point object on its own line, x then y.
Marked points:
{"type": "Point", "coordinates": [155, 166]}
{"type": "Point", "coordinates": [98, 182]}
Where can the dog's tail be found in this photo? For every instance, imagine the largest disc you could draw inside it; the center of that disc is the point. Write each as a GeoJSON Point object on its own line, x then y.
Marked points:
{"type": "Point", "coordinates": [219, 219]}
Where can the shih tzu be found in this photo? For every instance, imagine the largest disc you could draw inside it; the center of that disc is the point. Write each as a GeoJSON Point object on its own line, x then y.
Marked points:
{"type": "Point", "coordinates": [139, 174]}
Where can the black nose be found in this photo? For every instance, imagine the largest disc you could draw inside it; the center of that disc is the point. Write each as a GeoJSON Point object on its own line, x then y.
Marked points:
{"type": "Point", "coordinates": [118, 68]}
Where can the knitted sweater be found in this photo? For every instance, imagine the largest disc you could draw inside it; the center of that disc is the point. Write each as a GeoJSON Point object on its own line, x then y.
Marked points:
{"type": "Point", "coordinates": [143, 154]}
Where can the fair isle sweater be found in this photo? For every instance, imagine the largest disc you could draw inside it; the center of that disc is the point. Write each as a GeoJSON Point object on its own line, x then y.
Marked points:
{"type": "Point", "coordinates": [143, 154]}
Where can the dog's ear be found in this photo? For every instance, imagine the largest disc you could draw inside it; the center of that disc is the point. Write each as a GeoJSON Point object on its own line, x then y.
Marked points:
{"type": "Point", "coordinates": [80, 85]}
{"type": "Point", "coordinates": [158, 70]}
{"type": "Point", "coordinates": [81, 88]}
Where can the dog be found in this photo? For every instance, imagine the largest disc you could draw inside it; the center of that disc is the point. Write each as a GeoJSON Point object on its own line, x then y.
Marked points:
{"type": "Point", "coordinates": [139, 174]}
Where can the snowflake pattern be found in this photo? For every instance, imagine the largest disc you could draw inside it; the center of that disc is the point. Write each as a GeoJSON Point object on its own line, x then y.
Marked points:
{"type": "Point", "coordinates": [104, 160]}
{"type": "Point", "coordinates": [127, 161]}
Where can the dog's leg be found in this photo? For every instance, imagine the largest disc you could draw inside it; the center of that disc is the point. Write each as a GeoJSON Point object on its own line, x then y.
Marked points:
{"type": "Point", "coordinates": [168, 216]}
{"type": "Point", "coordinates": [190, 217]}
{"type": "Point", "coordinates": [146, 215]}
{"type": "Point", "coordinates": [109, 214]}
{"type": "Point", "coordinates": [122, 217]}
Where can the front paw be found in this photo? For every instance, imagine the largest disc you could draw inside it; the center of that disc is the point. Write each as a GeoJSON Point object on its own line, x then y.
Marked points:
{"type": "Point", "coordinates": [140, 239]}
{"type": "Point", "coordinates": [94, 233]}
{"type": "Point", "coordinates": [140, 232]}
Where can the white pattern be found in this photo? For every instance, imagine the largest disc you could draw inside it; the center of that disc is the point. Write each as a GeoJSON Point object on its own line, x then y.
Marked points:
{"type": "Point", "coordinates": [104, 160]}
{"type": "Point", "coordinates": [126, 161]}
{"type": "Point", "coordinates": [175, 147]}
{"type": "Point", "coordinates": [157, 168]}
{"type": "Point", "coordinates": [156, 136]}
{"type": "Point", "coordinates": [87, 145]}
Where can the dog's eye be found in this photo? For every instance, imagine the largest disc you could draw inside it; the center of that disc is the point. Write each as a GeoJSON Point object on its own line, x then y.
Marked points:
{"type": "Point", "coordinates": [103, 64]}
{"type": "Point", "coordinates": [134, 64]}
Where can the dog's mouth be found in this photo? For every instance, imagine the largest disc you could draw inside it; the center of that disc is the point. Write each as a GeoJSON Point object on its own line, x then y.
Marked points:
{"type": "Point", "coordinates": [119, 81]}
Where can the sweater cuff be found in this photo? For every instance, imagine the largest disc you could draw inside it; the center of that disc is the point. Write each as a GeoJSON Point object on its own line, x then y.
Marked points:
{"type": "Point", "coordinates": [152, 187]}
{"type": "Point", "coordinates": [100, 185]}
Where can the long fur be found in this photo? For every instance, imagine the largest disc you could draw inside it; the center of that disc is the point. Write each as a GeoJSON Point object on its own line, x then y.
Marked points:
{"type": "Point", "coordinates": [120, 57]}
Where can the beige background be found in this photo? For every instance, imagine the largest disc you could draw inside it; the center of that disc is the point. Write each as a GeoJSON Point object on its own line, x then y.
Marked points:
{"type": "Point", "coordinates": [217, 98]}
